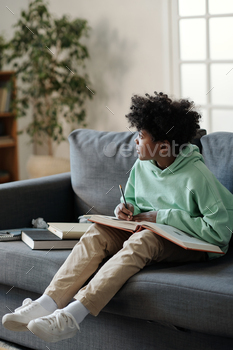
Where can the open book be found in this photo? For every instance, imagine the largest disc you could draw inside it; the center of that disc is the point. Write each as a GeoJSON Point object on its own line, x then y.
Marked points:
{"type": "Point", "coordinates": [183, 239]}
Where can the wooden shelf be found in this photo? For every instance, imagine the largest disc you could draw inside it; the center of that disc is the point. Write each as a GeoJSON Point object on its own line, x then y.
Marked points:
{"type": "Point", "coordinates": [8, 126]}
{"type": "Point", "coordinates": [4, 178]}
{"type": "Point", "coordinates": [10, 144]}
{"type": "Point", "coordinates": [6, 114]}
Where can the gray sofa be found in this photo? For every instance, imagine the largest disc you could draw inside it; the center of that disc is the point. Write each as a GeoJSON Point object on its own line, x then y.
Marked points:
{"type": "Point", "coordinates": [164, 306]}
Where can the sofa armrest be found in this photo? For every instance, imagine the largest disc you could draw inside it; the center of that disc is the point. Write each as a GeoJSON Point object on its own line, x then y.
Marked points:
{"type": "Point", "coordinates": [49, 197]}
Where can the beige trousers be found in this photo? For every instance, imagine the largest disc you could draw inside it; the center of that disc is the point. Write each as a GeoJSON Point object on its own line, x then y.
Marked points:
{"type": "Point", "coordinates": [130, 253]}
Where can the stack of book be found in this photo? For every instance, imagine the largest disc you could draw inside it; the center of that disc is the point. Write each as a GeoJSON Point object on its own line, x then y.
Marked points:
{"type": "Point", "coordinates": [4, 176]}
{"type": "Point", "coordinates": [6, 140]}
{"type": "Point", "coordinates": [66, 235]}
{"type": "Point", "coordinates": [5, 96]}
{"type": "Point", "coordinates": [58, 235]}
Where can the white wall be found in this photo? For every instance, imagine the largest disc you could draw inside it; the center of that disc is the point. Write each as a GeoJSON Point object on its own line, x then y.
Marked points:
{"type": "Point", "coordinates": [128, 54]}
{"type": "Point", "coordinates": [7, 20]}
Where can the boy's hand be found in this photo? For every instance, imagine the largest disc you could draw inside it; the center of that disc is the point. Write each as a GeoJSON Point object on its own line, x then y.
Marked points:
{"type": "Point", "coordinates": [124, 214]}
{"type": "Point", "coordinates": [147, 216]}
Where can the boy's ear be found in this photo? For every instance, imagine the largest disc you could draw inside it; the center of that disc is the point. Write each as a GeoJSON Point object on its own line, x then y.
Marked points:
{"type": "Point", "coordinates": [164, 147]}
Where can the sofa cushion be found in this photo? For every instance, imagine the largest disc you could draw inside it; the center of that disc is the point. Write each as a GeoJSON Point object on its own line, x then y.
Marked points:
{"type": "Point", "coordinates": [28, 269]}
{"type": "Point", "coordinates": [100, 161]}
{"type": "Point", "coordinates": [49, 197]}
{"type": "Point", "coordinates": [216, 151]}
{"type": "Point", "coordinates": [163, 292]}
{"type": "Point", "coordinates": [195, 296]}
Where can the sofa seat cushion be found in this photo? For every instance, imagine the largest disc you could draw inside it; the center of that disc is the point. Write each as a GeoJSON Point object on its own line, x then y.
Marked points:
{"type": "Point", "coordinates": [195, 296]}
{"type": "Point", "coordinates": [28, 269]}
{"type": "Point", "coordinates": [164, 293]}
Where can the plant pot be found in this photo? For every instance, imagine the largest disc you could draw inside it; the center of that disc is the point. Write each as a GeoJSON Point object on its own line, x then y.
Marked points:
{"type": "Point", "coordinates": [39, 166]}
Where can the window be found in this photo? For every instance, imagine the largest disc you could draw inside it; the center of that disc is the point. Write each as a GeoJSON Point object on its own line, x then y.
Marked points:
{"type": "Point", "coordinates": [202, 56]}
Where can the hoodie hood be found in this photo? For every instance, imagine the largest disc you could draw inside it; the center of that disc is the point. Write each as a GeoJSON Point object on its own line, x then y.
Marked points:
{"type": "Point", "coordinates": [188, 154]}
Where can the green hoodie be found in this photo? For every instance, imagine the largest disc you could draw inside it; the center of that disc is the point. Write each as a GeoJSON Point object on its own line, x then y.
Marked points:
{"type": "Point", "coordinates": [186, 195]}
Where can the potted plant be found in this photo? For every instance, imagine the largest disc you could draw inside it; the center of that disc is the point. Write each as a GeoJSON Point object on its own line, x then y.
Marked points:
{"type": "Point", "coordinates": [48, 57]}
{"type": "Point", "coordinates": [2, 50]}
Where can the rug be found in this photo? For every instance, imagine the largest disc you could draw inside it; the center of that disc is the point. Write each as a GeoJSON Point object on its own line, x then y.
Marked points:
{"type": "Point", "coordinates": [5, 345]}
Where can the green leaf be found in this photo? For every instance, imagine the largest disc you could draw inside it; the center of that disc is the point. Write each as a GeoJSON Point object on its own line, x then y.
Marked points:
{"type": "Point", "coordinates": [45, 80]}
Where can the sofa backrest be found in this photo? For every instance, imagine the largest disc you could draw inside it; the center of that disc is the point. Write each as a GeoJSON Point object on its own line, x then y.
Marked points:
{"type": "Point", "coordinates": [99, 162]}
{"type": "Point", "coordinates": [216, 151]}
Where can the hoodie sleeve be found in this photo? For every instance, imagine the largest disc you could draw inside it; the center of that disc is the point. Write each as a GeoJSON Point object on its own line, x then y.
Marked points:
{"type": "Point", "coordinates": [130, 192]}
{"type": "Point", "coordinates": [214, 225]}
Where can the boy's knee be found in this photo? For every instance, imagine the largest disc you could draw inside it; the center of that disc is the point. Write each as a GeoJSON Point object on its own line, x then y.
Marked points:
{"type": "Point", "coordinates": [96, 234]}
{"type": "Point", "coordinates": [144, 235]}
{"type": "Point", "coordinates": [146, 241]}
{"type": "Point", "coordinates": [93, 232]}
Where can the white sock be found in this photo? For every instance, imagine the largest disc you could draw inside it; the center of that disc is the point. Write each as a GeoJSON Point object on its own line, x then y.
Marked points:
{"type": "Point", "coordinates": [78, 310]}
{"type": "Point", "coordinates": [47, 302]}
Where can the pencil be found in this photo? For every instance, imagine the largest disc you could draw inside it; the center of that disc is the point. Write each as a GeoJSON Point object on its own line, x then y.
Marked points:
{"type": "Point", "coordinates": [122, 193]}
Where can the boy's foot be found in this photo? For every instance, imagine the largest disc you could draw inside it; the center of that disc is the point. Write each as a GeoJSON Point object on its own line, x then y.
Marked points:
{"type": "Point", "coordinates": [19, 319]}
{"type": "Point", "coordinates": [55, 327]}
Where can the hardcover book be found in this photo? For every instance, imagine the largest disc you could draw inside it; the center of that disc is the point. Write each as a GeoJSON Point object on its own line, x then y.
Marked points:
{"type": "Point", "coordinates": [66, 230]}
{"type": "Point", "coordinates": [44, 239]}
{"type": "Point", "coordinates": [183, 239]}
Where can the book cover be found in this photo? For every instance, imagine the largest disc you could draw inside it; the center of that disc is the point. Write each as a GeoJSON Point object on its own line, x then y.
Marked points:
{"type": "Point", "coordinates": [1, 92]}
{"type": "Point", "coordinates": [6, 140]}
{"type": "Point", "coordinates": [8, 99]}
{"type": "Point", "coordinates": [10, 235]}
{"type": "Point", "coordinates": [3, 100]}
{"type": "Point", "coordinates": [44, 239]}
{"type": "Point", "coordinates": [173, 234]}
{"type": "Point", "coordinates": [66, 230]}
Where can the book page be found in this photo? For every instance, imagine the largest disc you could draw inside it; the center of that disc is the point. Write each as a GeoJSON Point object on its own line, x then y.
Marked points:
{"type": "Point", "coordinates": [113, 221]}
{"type": "Point", "coordinates": [168, 232]}
{"type": "Point", "coordinates": [174, 232]}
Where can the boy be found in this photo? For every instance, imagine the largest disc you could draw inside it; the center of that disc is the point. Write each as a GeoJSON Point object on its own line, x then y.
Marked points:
{"type": "Point", "coordinates": [169, 184]}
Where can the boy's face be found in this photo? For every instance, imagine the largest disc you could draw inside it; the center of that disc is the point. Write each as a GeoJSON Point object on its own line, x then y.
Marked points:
{"type": "Point", "coordinates": [147, 149]}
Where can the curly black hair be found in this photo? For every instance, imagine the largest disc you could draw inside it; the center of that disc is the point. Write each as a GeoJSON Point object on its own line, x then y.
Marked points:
{"type": "Point", "coordinates": [164, 119]}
